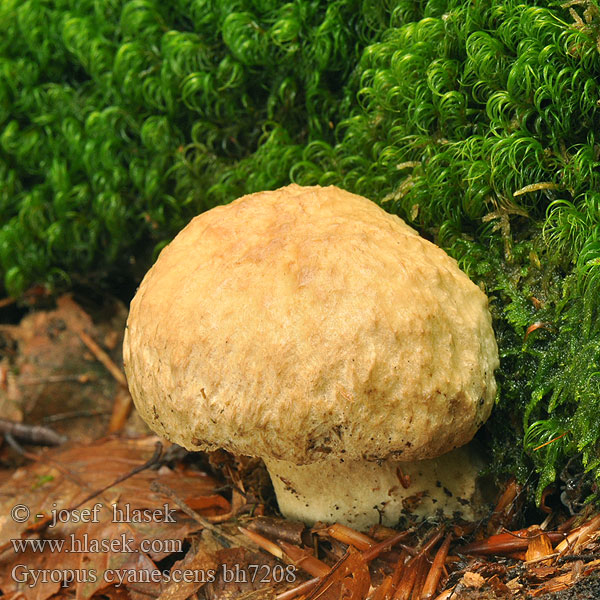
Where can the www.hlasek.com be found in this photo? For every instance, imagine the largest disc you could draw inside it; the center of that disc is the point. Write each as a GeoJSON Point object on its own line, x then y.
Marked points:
{"type": "Point", "coordinates": [90, 545]}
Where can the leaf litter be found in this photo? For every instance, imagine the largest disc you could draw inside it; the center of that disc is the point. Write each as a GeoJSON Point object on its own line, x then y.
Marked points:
{"type": "Point", "coordinates": [162, 514]}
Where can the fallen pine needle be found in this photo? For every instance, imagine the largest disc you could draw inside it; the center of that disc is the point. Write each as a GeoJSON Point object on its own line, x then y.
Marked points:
{"type": "Point", "coordinates": [303, 588]}
{"type": "Point", "coordinates": [301, 558]}
{"type": "Point", "coordinates": [505, 506]}
{"type": "Point", "coordinates": [577, 537]}
{"type": "Point", "coordinates": [408, 579]}
{"type": "Point", "coordinates": [386, 544]}
{"type": "Point", "coordinates": [263, 542]}
{"type": "Point", "coordinates": [535, 326]}
{"type": "Point", "coordinates": [102, 356]}
{"type": "Point", "coordinates": [350, 574]}
{"type": "Point", "coordinates": [349, 536]}
{"type": "Point", "coordinates": [384, 590]}
{"type": "Point", "coordinates": [551, 441]}
{"type": "Point", "coordinates": [122, 406]}
{"type": "Point", "coordinates": [157, 486]}
{"type": "Point", "coordinates": [420, 579]}
{"type": "Point", "coordinates": [506, 543]}
{"type": "Point", "coordinates": [433, 577]}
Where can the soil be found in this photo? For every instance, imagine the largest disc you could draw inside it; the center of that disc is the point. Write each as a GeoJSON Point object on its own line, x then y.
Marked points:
{"type": "Point", "coordinates": [585, 589]}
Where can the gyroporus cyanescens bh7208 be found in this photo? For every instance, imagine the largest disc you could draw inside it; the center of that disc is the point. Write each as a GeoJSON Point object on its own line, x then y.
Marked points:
{"type": "Point", "coordinates": [311, 328]}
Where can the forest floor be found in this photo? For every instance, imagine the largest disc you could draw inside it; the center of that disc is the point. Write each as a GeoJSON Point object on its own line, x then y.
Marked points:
{"type": "Point", "coordinates": [92, 505]}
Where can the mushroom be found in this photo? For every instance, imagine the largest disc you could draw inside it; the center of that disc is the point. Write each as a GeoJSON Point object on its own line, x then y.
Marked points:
{"type": "Point", "coordinates": [311, 328]}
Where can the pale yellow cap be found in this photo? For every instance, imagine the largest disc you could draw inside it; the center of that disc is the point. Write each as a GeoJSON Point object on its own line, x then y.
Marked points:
{"type": "Point", "coordinates": [306, 323]}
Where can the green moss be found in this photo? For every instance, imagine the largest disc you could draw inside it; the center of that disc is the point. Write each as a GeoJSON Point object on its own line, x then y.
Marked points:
{"type": "Point", "coordinates": [474, 121]}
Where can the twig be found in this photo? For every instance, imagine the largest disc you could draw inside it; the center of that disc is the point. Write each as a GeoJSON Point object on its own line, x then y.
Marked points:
{"type": "Point", "coordinates": [377, 549]}
{"type": "Point", "coordinates": [433, 578]}
{"type": "Point", "coordinates": [157, 486]}
{"type": "Point", "coordinates": [572, 557]}
{"type": "Point", "coordinates": [102, 356]}
{"type": "Point", "coordinates": [152, 460]}
{"type": "Point", "coordinates": [263, 542]}
{"type": "Point", "coordinates": [82, 378]}
{"type": "Point", "coordinates": [74, 414]}
{"type": "Point", "coordinates": [122, 405]}
{"type": "Point", "coordinates": [306, 561]}
{"type": "Point", "coordinates": [31, 434]}
{"type": "Point", "coordinates": [349, 536]}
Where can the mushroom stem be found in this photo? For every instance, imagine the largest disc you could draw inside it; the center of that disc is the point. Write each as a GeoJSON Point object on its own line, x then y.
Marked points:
{"type": "Point", "coordinates": [362, 493]}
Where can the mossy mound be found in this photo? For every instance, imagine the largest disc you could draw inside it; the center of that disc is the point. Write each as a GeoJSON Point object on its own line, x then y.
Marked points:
{"type": "Point", "coordinates": [475, 121]}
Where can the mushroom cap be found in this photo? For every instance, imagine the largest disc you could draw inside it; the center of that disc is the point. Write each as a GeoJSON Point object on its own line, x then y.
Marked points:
{"type": "Point", "coordinates": [308, 322]}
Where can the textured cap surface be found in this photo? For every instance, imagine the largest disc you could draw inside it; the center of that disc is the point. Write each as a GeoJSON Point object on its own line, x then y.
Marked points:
{"type": "Point", "coordinates": [308, 322]}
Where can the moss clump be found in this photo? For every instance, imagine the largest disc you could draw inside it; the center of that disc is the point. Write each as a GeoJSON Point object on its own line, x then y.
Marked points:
{"type": "Point", "coordinates": [117, 118]}
{"type": "Point", "coordinates": [475, 121]}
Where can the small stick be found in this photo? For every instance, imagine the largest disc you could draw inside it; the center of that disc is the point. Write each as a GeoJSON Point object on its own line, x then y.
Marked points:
{"type": "Point", "coordinates": [31, 434]}
{"type": "Point", "coordinates": [75, 414]}
{"type": "Point", "coordinates": [433, 577]}
{"type": "Point", "coordinates": [505, 505]}
{"type": "Point", "coordinates": [409, 577]}
{"type": "Point", "coordinates": [421, 576]}
{"type": "Point", "coordinates": [399, 569]}
{"type": "Point", "coordinates": [14, 444]}
{"type": "Point", "coordinates": [152, 460]}
{"type": "Point", "coordinates": [122, 405]}
{"type": "Point", "coordinates": [384, 590]}
{"type": "Point", "coordinates": [123, 401]}
{"type": "Point", "coordinates": [347, 535]}
{"type": "Point", "coordinates": [83, 378]}
{"type": "Point", "coordinates": [278, 529]}
{"type": "Point", "coordinates": [377, 549]}
{"type": "Point", "coordinates": [432, 541]}
{"type": "Point", "coordinates": [102, 356]}
{"type": "Point", "coordinates": [309, 563]}
{"type": "Point", "coordinates": [263, 542]}
{"type": "Point", "coordinates": [572, 557]}
{"type": "Point", "coordinates": [504, 543]}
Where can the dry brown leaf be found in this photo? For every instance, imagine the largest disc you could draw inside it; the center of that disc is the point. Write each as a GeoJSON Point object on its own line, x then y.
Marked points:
{"type": "Point", "coordinates": [116, 520]}
{"type": "Point", "coordinates": [241, 572]}
{"type": "Point", "coordinates": [197, 566]}
{"type": "Point", "coordinates": [349, 579]}
{"type": "Point", "coordinates": [49, 373]}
